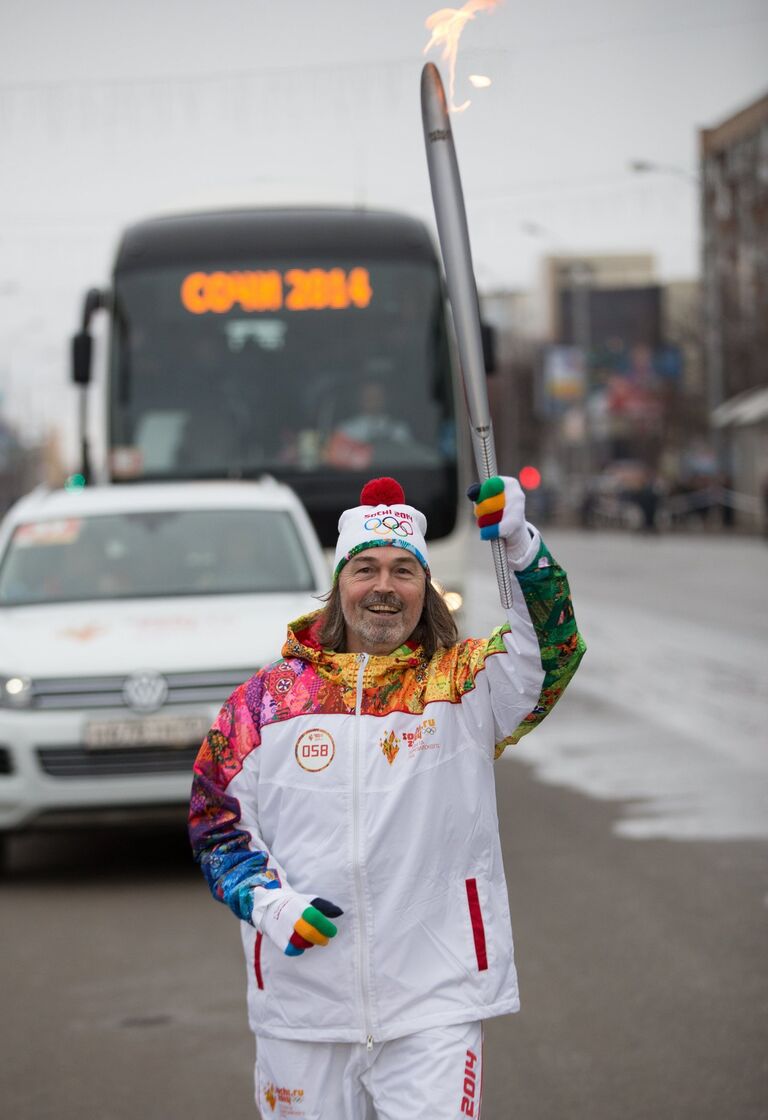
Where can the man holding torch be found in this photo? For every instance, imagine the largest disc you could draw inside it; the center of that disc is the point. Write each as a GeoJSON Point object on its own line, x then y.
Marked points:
{"type": "Point", "coordinates": [344, 807]}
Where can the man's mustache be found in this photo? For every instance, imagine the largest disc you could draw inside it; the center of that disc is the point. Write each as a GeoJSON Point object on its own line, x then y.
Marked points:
{"type": "Point", "coordinates": [383, 599]}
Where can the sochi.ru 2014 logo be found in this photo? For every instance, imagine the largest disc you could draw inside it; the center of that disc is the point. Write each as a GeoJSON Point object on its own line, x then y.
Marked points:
{"type": "Point", "coordinates": [315, 749]}
{"type": "Point", "coordinates": [422, 738]}
{"type": "Point", "coordinates": [289, 1099]}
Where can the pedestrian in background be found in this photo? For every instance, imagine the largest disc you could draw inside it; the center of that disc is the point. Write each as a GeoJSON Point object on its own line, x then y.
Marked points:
{"type": "Point", "coordinates": [344, 807]}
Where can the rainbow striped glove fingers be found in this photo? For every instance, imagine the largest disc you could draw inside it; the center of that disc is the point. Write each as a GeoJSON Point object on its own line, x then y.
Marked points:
{"type": "Point", "coordinates": [295, 923]}
{"type": "Point", "coordinates": [313, 927]}
{"type": "Point", "coordinates": [500, 510]}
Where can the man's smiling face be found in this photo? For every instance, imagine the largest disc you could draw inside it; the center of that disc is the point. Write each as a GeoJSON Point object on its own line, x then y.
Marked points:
{"type": "Point", "coordinates": [382, 595]}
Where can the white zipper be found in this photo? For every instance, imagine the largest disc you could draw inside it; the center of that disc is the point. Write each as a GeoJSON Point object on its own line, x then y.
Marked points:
{"type": "Point", "coordinates": [362, 661]}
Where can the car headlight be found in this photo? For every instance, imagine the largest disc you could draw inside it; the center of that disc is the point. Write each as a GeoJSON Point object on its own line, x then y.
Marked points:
{"type": "Point", "coordinates": [15, 692]}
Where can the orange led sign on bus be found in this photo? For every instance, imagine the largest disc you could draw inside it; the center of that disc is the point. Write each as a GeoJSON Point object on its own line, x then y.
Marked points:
{"type": "Point", "coordinates": [297, 289]}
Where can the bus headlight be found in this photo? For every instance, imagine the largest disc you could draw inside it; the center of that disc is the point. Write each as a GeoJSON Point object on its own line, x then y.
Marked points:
{"type": "Point", "coordinates": [15, 692]}
{"type": "Point", "coordinates": [453, 600]}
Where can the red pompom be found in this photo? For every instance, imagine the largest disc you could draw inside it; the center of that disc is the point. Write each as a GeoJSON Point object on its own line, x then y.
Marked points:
{"type": "Point", "coordinates": [382, 492]}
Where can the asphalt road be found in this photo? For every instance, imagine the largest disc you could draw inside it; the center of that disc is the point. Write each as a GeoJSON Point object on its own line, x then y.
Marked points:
{"type": "Point", "coordinates": [642, 961]}
{"type": "Point", "coordinates": [643, 969]}
{"type": "Point", "coordinates": [643, 975]}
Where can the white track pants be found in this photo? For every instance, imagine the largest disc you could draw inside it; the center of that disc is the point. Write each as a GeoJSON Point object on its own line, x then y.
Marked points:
{"type": "Point", "coordinates": [432, 1075]}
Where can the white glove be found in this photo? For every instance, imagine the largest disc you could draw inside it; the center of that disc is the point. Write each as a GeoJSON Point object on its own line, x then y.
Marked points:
{"type": "Point", "coordinates": [295, 922]}
{"type": "Point", "coordinates": [500, 512]}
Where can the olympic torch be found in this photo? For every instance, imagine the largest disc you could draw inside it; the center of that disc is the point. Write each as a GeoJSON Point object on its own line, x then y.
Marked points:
{"type": "Point", "coordinates": [453, 234]}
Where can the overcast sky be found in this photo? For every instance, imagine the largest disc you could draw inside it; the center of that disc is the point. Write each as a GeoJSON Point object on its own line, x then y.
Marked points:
{"type": "Point", "coordinates": [113, 112]}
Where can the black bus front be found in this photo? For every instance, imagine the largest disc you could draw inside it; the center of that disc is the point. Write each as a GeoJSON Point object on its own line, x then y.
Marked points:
{"type": "Point", "coordinates": [308, 345]}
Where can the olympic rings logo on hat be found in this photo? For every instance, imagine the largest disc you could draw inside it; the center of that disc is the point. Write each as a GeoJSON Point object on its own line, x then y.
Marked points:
{"type": "Point", "coordinates": [388, 525]}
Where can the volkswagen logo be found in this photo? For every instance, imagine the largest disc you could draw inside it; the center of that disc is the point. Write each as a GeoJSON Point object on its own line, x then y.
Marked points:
{"type": "Point", "coordinates": [145, 691]}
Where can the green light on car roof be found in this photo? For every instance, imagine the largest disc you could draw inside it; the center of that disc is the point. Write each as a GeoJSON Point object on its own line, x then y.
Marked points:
{"type": "Point", "coordinates": [74, 482]}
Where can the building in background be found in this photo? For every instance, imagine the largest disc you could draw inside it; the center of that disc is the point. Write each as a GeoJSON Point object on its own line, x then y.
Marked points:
{"type": "Point", "coordinates": [22, 467]}
{"type": "Point", "coordinates": [734, 172]}
{"type": "Point", "coordinates": [690, 449]}
{"type": "Point", "coordinates": [511, 387]}
{"type": "Point", "coordinates": [599, 372]}
{"type": "Point", "coordinates": [620, 381]}
{"type": "Point", "coordinates": [520, 431]}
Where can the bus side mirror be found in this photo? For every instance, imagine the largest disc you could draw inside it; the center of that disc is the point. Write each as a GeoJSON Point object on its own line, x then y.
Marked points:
{"type": "Point", "coordinates": [488, 335]}
{"type": "Point", "coordinates": [82, 346]}
{"type": "Point", "coordinates": [82, 343]}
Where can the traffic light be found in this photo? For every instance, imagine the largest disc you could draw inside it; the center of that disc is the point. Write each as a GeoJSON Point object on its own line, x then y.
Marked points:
{"type": "Point", "coordinates": [530, 478]}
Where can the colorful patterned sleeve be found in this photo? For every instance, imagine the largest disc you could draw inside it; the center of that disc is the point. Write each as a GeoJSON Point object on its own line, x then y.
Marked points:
{"type": "Point", "coordinates": [547, 595]}
{"type": "Point", "coordinates": [233, 859]}
{"type": "Point", "coordinates": [525, 665]}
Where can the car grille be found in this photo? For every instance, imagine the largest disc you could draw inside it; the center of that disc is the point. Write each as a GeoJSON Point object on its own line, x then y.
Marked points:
{"type": "Point", "coordinates": [59, 693]}
{"type": "Point", "coordinates": [116, 816]}
{"type": "Point", "coordinates": [78, 762]}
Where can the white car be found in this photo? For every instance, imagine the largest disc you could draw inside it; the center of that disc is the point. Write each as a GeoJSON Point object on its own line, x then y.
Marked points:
{"type": "Point", "coordinates": [127, 616]}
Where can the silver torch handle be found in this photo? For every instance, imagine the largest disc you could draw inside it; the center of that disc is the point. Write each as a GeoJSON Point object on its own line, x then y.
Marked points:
{"type": "Point", "coordinates": [451, 218]}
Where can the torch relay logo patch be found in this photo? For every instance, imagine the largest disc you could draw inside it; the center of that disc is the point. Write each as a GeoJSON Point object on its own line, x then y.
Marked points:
{"type": "Point", "coordinates": [390, 747]}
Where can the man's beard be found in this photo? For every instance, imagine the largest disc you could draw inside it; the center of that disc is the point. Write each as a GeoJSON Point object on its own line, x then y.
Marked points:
{"type": "Point", "coordinates": [389, 630]}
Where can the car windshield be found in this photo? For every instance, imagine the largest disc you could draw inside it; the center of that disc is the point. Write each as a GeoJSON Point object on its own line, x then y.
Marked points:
{"type": "Point", "coordinates": [158, 553]}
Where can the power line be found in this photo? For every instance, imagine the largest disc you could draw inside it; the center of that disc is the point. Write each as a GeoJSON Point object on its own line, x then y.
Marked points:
{"type": "Point", "coordinates": [401, 62]}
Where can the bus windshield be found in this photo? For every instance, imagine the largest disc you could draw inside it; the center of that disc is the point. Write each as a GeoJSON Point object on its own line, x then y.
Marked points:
{"type": "Point", "coordinates": [293, 368]}
{"type": "Point", "coordinates": [320, 372]}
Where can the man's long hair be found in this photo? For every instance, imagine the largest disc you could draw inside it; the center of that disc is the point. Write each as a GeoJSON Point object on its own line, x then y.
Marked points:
{"type": "Point", "coordinates": [435, 629]}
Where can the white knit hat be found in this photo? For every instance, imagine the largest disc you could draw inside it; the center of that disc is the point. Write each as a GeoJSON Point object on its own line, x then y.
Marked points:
{"type": "Point", "coordinates": [382, 518]}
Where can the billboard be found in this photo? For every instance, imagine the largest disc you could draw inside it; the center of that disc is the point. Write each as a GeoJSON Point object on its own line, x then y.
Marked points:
{"type": "Point", "coordinates": [563, 381]}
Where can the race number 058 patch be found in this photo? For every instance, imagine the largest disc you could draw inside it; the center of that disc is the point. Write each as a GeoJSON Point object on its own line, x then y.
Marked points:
{"type": "Point", "coordinates": [315, 749]}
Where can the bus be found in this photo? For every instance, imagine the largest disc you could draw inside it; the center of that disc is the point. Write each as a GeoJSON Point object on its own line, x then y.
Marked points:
{"type": "Point", "coordinates": [311, 345]}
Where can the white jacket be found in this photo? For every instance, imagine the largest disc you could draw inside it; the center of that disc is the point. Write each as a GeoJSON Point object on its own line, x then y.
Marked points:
{"type": "Point", "coordinates": [368, 781]}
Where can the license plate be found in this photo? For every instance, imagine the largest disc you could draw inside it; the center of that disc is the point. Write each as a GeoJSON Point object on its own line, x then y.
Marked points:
{"type": "Point", "coordinates": [151, 731]}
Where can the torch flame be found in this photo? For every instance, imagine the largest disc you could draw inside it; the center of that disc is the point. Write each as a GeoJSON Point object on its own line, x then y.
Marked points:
{"type": "Point", "coordinates": [446, 26]}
